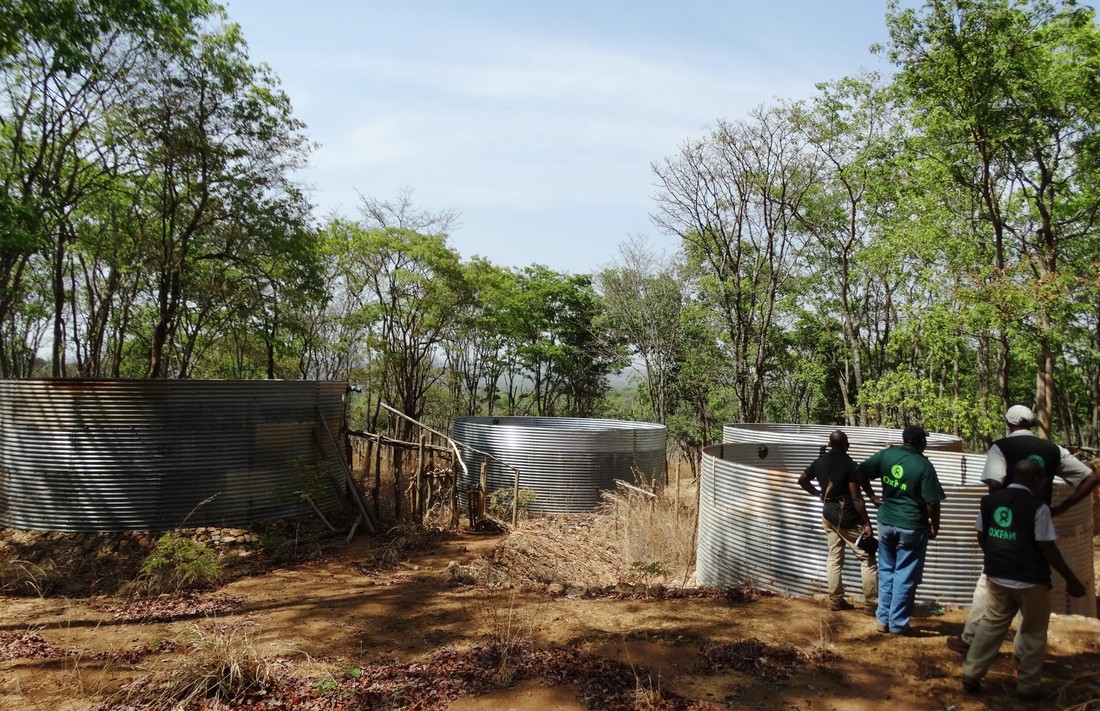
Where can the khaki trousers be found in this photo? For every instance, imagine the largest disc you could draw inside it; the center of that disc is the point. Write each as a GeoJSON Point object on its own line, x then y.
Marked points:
{"type": "Point", "coordinates": [840, 539]}
{"type": "Point", "coordinates": [1002, 604]}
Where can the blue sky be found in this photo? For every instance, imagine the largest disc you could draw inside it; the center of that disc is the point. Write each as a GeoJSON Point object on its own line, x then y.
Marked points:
{"type": "Point", "coordinates": [537, 121]}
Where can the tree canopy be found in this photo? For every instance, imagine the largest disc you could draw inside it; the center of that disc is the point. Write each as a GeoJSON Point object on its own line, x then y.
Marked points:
{"type": "Point", "coordinates": [918, 247]}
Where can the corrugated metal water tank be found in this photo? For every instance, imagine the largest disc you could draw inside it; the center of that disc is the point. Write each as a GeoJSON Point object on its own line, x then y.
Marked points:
{"type": "Point", "coordinates": [757, 526]}
{"type": "Point", "coordinates": [567, 461]}
{"type": "Point", "coordinates": [819, 435]}
{"type": "Point", "coordinates": [152, 455]}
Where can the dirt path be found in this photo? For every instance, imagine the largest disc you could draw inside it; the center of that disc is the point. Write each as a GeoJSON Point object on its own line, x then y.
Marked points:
{"type": "Point", "coordinates": [328, 617]}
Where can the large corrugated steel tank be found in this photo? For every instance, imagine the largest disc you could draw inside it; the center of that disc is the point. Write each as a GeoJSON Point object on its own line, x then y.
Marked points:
{"type": "Point", "coordinates": [757, 526]}
{"type": "Point", "coordinates": [153, 455]}
{"type": "Point", "coordinates": [819, 434]}
{"type": "Point", "coordinates": [567, 461]}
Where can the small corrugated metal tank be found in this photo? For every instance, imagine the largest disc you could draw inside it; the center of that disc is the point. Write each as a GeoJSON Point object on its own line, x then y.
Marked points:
{"type": "Point", "coordinates": [757, 526]}
{"type": "Point", "coordinates": [153, 455]}
{"type": "Point", "coordinates": [566, 461]}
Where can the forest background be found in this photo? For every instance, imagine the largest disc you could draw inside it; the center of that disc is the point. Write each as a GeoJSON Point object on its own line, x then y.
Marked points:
{"type": "Point", "coordinates": [918, 249]}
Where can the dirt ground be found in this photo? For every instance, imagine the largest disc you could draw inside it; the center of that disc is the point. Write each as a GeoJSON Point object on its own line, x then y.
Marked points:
{"type": "Point", "coordinates": [361, 627]}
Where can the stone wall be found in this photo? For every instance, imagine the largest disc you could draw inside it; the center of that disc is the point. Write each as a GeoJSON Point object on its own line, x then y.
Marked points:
{"type": "Point", "coordinates": [78, 564]}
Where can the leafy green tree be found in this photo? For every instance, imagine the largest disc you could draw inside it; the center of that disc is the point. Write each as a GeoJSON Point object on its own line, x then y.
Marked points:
{"type": "Point", "coordinates": [476, 352]}
{"type": "Point", "coordinates": [550, 322]}
{"type": "Point", "coordinates": [63, 67]}
{"type": "Point", "coordinates": [643, 298]}
{"type": "Point", "coordinates": [854, 130]}
{"type": "Point", "coordinates": [732, 199]}
{"type": "Point", "coordinates": [410, 286]}
{"type": "Point", "coordinates": [1005, 96]}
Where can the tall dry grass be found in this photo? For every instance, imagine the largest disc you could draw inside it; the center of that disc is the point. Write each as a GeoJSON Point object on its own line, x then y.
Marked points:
{"type": "Point", "coordinates": [653, 530]}
{"type": "Point", "coordinates": [507, 626]}
{"type": "Point", "coordinates": [225, 666]}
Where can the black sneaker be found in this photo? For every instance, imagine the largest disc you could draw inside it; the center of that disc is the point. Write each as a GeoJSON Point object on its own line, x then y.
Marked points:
{"type": "Point", "coordinates": [841, 604]}
{"type": "Point", "coordinates": [1033, 695]}
{"type": "Point", "coordinates": [958, 644]}
{"type": "Point", "coordinates": [971, 685]}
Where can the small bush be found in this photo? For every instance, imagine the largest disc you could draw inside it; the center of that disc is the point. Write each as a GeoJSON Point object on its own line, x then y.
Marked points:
{"type": "Point", "coordinates": [499, 502]}
{"type": "Point", "coordinates": [22, 577]}
{"type": "Point", "coordinates": [177, 563]}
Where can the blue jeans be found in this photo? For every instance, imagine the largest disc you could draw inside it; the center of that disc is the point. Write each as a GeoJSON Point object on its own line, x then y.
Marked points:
{"type": "Point", "coordinates": [900, 566]}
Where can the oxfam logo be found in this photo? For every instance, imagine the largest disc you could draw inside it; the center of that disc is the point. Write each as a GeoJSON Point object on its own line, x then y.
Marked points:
{"type": "Point", "coordinates": [1038, 460]}
{"type": "Point", "coordinates": [897, 471]}
{"type": "Point", "coordinates": [1003, 516]}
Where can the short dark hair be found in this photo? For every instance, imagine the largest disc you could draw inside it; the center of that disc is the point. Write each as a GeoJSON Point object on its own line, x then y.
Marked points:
{"type": "Point", "coordinates": [914, 434]}
{"type": "Point", "coordinates": [838, 439]}
{"type": "Point", "coordinates": [1027, 472]}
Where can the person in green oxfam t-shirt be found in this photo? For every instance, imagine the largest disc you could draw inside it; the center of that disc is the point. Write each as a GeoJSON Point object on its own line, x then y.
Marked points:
{"type": "Point", "coordinates": [908, 516]}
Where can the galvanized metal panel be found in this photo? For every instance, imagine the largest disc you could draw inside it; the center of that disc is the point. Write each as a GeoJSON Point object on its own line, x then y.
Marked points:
{"type": "Point", "coordinates": [567, 461]}
{"type": "Point", "coordinates": [757, 526]}
{"type": "Point", "coordinates": [117, 455]}
{"type": "Point", "coordinates": [819, 435]}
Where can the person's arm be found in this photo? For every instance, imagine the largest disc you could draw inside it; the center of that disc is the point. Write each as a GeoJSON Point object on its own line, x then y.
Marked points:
{"type": "Point", "coordinates": [995, 470]}
{"type": "Point", "coordinates": [806, 482]}
{"type": "Point", "coordinates": [1084, 486]}
{"type": "Point", "coordinates": [863, 476]}
{"type": "Point", "coordinates": [933, 518]}
{"type": "Point", "coordinates": [1054, 557]}
{"type": "Point", "coordinates": [860, 507]}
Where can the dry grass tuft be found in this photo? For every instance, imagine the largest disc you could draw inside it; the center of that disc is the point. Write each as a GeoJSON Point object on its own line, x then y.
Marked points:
{"type": "Point", "coordinates": [225, 666]}
{"type": "Point", "coordinates": [507, 626]}
{"type": "Point", "coordinates": [654, 533]}
{"type": "Point", "coordinates": [22, 577]}
{"type": "Point", "coordinates": [822, 643]}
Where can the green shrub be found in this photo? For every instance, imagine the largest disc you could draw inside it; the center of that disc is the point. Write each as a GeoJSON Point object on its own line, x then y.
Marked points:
{"type": "Point", "coordinates": [498, 503]}
{"type": "Point", "coordinates": [178, 563]}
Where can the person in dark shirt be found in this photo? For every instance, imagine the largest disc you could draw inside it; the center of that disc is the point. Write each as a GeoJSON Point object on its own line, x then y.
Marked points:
{"type": "Point", "coordinates": [1017, 537]}
{"type": "Point", "coordinates": [844, 518]}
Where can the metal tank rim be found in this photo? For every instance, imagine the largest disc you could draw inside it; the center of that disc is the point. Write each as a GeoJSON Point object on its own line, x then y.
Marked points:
{"type": "Point", "coordinates": [819, 434]}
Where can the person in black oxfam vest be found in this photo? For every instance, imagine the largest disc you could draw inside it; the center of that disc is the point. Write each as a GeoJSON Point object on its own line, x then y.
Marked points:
{"type": "Point", "coordinates": [1021, 444]}
{"type": "Point", "coordinates": [1017, 539]}
{"type": "Point", "coordinates": [844, 517]}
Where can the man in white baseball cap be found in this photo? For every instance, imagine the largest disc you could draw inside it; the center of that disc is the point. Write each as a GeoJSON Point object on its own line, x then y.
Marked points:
{"type": "Point", "coordinates": [1021, 443]}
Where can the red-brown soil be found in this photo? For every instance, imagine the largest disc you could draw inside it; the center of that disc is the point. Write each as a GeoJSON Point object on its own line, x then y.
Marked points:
{"type": "Point", "coordinates": [344, 632]}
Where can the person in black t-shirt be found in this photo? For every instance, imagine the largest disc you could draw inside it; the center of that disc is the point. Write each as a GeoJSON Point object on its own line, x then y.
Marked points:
{"type": "Point", "coordinates": [1017, 539]}
{"type": "Point", "coordinates": [844, 517]}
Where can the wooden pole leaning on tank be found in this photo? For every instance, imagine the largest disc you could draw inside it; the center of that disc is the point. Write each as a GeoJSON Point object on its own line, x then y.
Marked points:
{"type": "Point", "coordinates": [356, 494]}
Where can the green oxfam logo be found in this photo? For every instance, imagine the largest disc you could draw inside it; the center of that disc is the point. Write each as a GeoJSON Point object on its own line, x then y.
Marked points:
{"type": "Point", "coordinates": [897, 471]}
{"type": "Point", "coordinates": [1038, 460]}
{"type": "Point", "coordinates": [1003, 516]}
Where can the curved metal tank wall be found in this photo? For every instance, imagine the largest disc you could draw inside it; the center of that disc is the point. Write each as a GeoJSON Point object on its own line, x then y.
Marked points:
{"type": "Point", "coordinates": [819, 435]}
{"type": "Point", "coordinates": [757, 526]}
{"type": "Point", "coordinates": [567, 461]}
{"type": "Point", "coordinates": [152, 455]}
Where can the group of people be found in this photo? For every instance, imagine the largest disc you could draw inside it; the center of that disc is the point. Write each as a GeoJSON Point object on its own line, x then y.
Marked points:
{"type": "Point", "coordinates": [1014, 531]}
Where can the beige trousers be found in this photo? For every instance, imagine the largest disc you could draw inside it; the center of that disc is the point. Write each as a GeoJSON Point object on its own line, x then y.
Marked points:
{"type": "Point", "coordinates": [839, 540]}
{"type": "Point", "coordinates": [1002, 604]}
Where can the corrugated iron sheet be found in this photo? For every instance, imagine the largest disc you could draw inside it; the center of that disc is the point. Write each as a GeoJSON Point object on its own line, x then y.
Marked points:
{"type": "Point", "coordinates": [119, 455]}
{"type": "Point", "coordinates": [757, 526]}
{"type": "Point", "coordinates": [567, 461]}
{"type": "Point", "coordinates": [819, 435]}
